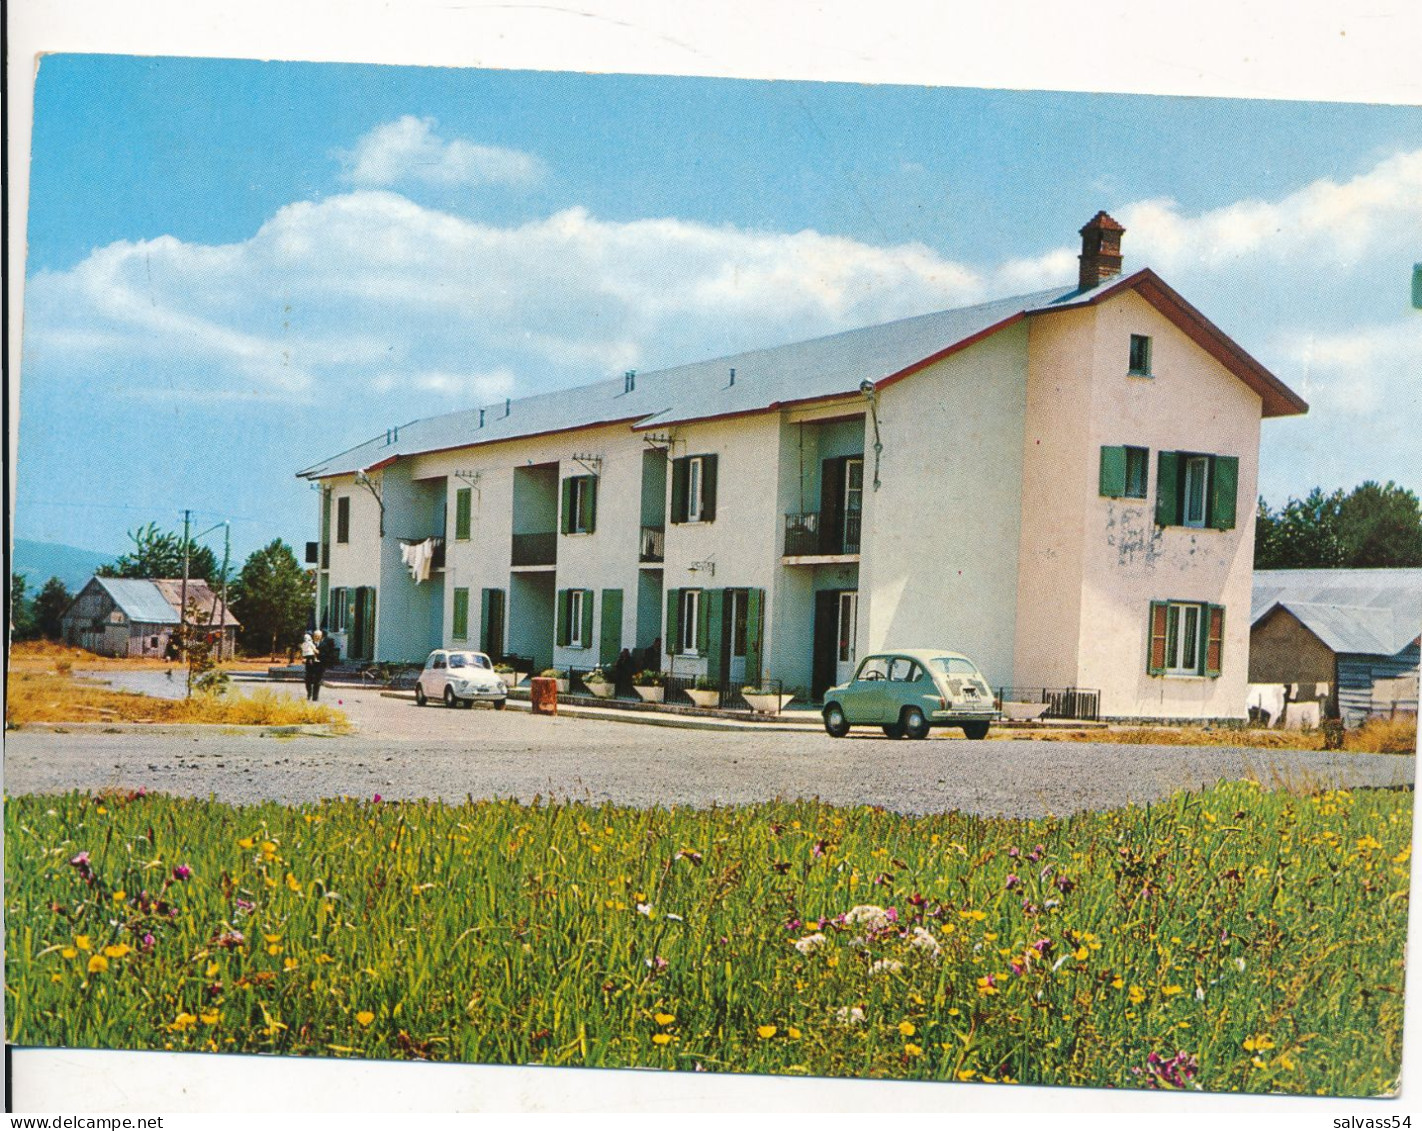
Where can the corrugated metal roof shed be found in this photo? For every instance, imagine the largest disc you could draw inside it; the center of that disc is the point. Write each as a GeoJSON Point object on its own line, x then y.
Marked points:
{"type": "Point", "coordinates": [139, 599]}
{"type": "Point", "coordinates": [200, 595]}
{"type": "Point", "coordinates": [1354, 611]}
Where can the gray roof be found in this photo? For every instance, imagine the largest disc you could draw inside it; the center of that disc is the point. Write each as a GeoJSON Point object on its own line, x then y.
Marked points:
{"type": "Point", "coordinates": [1354, 611]}
{"type": "Point", "coordinates": [139, 599]}
{"type": "Point", "coordinates": [765, 379]}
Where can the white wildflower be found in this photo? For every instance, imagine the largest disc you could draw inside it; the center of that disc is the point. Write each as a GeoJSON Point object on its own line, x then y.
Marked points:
{"type": "Point", "coordinates": [886, 966]}
{"type": "Point", "coordinates": [849, 1015]}
{"type": "Point", "coordinates": [874, 918]}
{"type": "Point", "coordinates": [922, 939]}
{"type": "Point", "coordinates": [810, 943]}
{"type": "Point", "coordinates": [644, 909]}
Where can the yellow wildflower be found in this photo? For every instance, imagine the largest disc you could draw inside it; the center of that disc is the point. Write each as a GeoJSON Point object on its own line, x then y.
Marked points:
{"type": "Point", "coordinates": [1137, 995]}
{"type": "Point", "coordinates": [82, 942]}
{"type": "Point", "coordinates": [663, 1018]}
{"type": "Point", "coordinates": [246, 842]}
{"type": "Point", "coordinates": [766, 1031]}
{"type": "Point", "coordinates": [120, 896]}
{"type": "Point", "coordinates": [966, 1074]}
{"type": "Point", "coordinates": [293, 883]}
{"type": "Point", "coordinates": [1171, 991]}
{"type": "Point", "coordinates": [912, 1049]}
{"type": "Point", "coordinates": [365, 1017]}
{"type": "Point", "coordinates": [118, 950]}
{"type": "Point", "coordinates": [211, 1018]}
{"type": "Point", "coordinates": [182, 1022]}
{"type": "Point", "coordinates": [794, 1033]}
{"type": "Point", "coordinates": [662, 1039]}
{"type": "Point", "coordinates": [68, 952]}
{"type": "Point", "coordinates": [1258, 1043]}
{"type": "Point", "coordinates": [98, 964]}
{"type": "Point", "coordinates": [907, 1028]}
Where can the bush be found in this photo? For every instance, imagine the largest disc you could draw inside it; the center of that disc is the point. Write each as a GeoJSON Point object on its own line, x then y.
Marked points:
{"type": "Point", "coordinates": [649, 678]}
{"type": "Point", "coordinates": [705, 683]}
{"type": "Point", "coordinates": [553, 673]}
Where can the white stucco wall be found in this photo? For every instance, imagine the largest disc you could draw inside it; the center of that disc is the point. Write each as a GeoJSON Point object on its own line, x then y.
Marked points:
{"type": "Point", "coordinates": [940, 555]}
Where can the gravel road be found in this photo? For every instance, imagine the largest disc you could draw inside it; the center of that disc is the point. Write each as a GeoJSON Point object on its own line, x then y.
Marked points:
{"type": "Point", "coordinates": [403, 751]}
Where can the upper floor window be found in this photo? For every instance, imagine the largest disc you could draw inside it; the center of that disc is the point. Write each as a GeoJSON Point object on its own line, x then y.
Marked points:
{"type": "Point", "coordinates": [694, 489]}
{"type": "Point", "coordinates": [1124, 472]}
{"type": "Point", "coordinates": [462, 506]}
{"type": "Point", "coordinates": [1195, 489]}
{"type": "Point", "coordinates": [580, 504]}
{"type": "Point", "coordinates": [1140, 356]}
{"type": "Point", "coordinates": [343, 519]}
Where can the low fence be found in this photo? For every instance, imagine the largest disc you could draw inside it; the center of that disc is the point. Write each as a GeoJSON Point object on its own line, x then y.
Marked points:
{"type": "Point", "coordinates": [675, 688]}
{"type": "Point", "coordinates": [1077, 703]}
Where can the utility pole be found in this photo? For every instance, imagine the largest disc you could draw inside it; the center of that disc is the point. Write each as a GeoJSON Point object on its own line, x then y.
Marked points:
{"type": "Point", "coordinates": [183, 602]}
{"type": "Point", "coordinates": [222, 625]}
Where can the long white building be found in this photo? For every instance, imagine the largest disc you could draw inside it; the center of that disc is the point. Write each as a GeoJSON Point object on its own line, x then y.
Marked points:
{"type": "Point", "coordinates": [1060, 485]}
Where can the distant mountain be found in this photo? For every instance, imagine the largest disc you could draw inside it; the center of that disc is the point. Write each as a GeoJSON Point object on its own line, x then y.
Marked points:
{"type": "Point", "coordinates": [39, 561]}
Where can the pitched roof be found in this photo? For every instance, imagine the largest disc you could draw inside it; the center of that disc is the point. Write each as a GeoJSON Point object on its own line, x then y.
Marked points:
{"type": "Point", "coordinates": [769, 379]}
{"type": "Point", "coordinates": [1356, 611]}
{"type": "Point", "coordinates": [156, 601]}
{"type": "Point", "coordinates": [139, 599]}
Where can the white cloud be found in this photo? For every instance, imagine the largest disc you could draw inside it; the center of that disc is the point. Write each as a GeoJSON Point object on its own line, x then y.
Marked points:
{"type": "Point", "coordinates": [408, 150]}
{"type": "Point", "coordinates": [1357, 373]}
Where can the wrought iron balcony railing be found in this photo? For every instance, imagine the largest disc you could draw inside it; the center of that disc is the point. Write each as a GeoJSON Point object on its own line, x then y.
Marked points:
{"type": "Point", "coordinates": [822, 532]}
{"type": "Point", "coordinates": [535, 549]}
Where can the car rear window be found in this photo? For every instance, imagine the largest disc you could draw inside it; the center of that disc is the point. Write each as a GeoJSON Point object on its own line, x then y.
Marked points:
{"type": "Point", "coordinates": [954, 665]}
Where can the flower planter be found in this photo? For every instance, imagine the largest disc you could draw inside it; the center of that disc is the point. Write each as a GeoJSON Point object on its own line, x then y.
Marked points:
{"type": "Point", "coordinates": [766, 704]}
{"type": "Point", "coordinates": [562, 686]}
{"type": "Point", "coordinates": [651, 694]}
{"type": "Point", "coordinates": [600, 689]}
{"type": "Point", "coordinates": [704, 699]}
{"type": "Point", "coordinates": [1024, 712]}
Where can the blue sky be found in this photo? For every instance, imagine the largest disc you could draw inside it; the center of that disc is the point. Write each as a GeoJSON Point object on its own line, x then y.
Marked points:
{"type": "Point", "coordinates": [236, 268]}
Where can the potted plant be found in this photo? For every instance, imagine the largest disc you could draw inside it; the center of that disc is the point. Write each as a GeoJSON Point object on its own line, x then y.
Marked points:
{"type": "Point", "coordinates": [765, 699]}
{"type": "Point", "coordinates": [704, 693]}
{"type": "Point", "coordinates": [560, 676]}
{"type": "Point", "coordinates": [598, 683]}
{"type": "Point", "coordinates": [511, 676]}
{"type": "Point", "coordinates": [650, 685]}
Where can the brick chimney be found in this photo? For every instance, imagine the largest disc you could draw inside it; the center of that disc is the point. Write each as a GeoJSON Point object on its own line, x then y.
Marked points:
{"type": "Point", "coordinates": [1100, 250]}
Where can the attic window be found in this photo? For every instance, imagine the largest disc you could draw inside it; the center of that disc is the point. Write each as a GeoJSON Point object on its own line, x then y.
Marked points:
{"type": "Point", "coordinates": [1140, 356]}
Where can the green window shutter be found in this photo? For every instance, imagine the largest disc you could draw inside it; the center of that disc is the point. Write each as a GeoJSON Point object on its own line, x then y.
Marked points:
{"type": "Point", "coordinates": [1113, 472]}
{"type": "Point", "coordinates": [461, 614]}
{"type": "Point", "coordinates": [708, 488]}
{"type": "Point", "coordinates": [1155, 657]}
{"type": "Point", "coordinates": [563, 602]}
{"type": "Point", "coordinates": [587, 618]}
{"type": "Point", "coordinates": [755, 599]}
{"type": "Point", "coordinates": [673, 626]}
{"type": "Point", "coordinates": [1224, 491]}
{"type": "Point", "coordinates": [592, 503]}
{"type": "Point", "coordinates": [713, 633]}
{"type": "Point", "coordinates": [1214, 640]}
{"type": "Point", "coordinates": [462, 499]}
{"type": "Point", "coordinates": [611, 639]}
{"type": "Point", "coordinates": [678, 490]}
{"type": "Point", "coordinates": [566, 525]}
{"type": "Point", "coordinates": [486, 600]}
{"type": "Point", "coordinates": [1167, 489]}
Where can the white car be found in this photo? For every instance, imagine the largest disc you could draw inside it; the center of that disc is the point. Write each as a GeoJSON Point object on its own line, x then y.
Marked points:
{"type": "Point", "coordinates": [461, 679]}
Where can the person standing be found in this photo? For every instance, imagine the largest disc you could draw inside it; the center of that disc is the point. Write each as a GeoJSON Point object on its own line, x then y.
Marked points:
{"type": "Point", "coordinates": [310, 666]}
{"type": "Point", "coordinates": [327, 657]}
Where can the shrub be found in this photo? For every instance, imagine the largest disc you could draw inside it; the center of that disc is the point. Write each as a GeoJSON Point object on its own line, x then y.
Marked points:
{"type": "Point", "coordinates": [649, 678]}
{"type": "Point", "coordinates": [706, 683]}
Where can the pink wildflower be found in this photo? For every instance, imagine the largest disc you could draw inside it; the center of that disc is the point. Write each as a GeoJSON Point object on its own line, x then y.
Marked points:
{"type": "Point", "coordinates": [1012, 881]}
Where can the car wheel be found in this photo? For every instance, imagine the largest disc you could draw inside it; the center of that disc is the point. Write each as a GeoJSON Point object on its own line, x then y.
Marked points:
{"type": "Point", "coordinates": [421, 699]}
{"type": "Point", "coordinates": [893, 730]}
{"type": "Point", "coordinates": [498, 704]}
{"type": "Point", "coordinates": [449, 699]}
{"type": "Point", "coordinates": [975, 730]}
{"type": "Point", "coordinates": [914, 724]}
{"type": "Point", "coordinates": [836, 725]}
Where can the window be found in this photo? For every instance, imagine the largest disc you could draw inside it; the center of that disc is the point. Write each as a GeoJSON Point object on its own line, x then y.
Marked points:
{"type": "Point", "coordinates": [491, 622]}
{"type": "Point", "coordinates": [875, 667]}
{"type": "Point", "coordinates": [460, 631]}
{"type": "Point", "coordinates": [689, 634]}
{"type": "Point", "coordinates": [343, 519]}
{"type": "Point", "coordinates": [579, 504]}
{"type": "Point", "coordinates": [904, 670]}
{"type": "Point", "coordinates": [1186, 638]}
{"type": "Point", "coordinates": [1124, 472]}
{"type": "Point", "coordinates": [1197, 478]}
{"type": "Point", "coordinates": [694, 489]}
{"type": "Point", "coordinates": [1196, 490]}
{"type": "Point", "coordinates": [575, 609]}
{"type": "Point", "coordinates": [462, 500]}
{"type": "Point", "coordinates": [337, 616]}
{"type": "Point", "coordinates": [1140, 356]}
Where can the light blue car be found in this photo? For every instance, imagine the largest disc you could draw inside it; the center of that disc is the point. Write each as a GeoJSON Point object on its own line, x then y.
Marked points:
{"type": "Point", "coordinates": [910, 691]}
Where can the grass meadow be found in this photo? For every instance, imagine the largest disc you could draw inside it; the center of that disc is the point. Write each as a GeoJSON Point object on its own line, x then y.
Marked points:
{"type": "Point", "coordinates": [1234, 939]}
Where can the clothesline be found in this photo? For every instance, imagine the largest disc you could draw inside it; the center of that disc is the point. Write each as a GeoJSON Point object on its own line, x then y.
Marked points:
{"type": "Point", "coordinates": [419, 556]}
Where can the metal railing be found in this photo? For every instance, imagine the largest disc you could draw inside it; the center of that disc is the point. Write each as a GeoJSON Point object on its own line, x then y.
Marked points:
{"type": "Point", "coordinates": [535, 549]}
{"type": "Point", "coordinates": [1082, 704]}
{"type": "Point", "coordinates": [654, 544]}
{"type": "Point", "coordinates": [822, 532]}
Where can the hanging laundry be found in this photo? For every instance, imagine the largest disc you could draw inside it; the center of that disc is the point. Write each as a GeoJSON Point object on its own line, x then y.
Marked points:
{"type": "Point", "coordinates": [419, 556]}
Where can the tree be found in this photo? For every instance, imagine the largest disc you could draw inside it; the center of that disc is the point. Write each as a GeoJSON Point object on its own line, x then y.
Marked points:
{"type": "Point", "coordinates": [159, 553]}
{"type": "Point", "coordinates": [272, 597]}
{"type": "Point", "coordinates": [1381, 526]}
{"type": "Point", "coordinates": [22, 616]}
{"type": "Point", "coordinates": [50, 606]}
{"type": "Point", "coordinates": [1371, 527]}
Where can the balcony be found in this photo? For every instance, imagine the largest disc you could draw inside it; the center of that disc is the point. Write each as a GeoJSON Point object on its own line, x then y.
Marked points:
{"type": "Point", "coordinates": [822, 534]}
{"type": "Point", "coordinates": [654, 545]}
{"type": "Point", "coordinates": [535, 549]}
